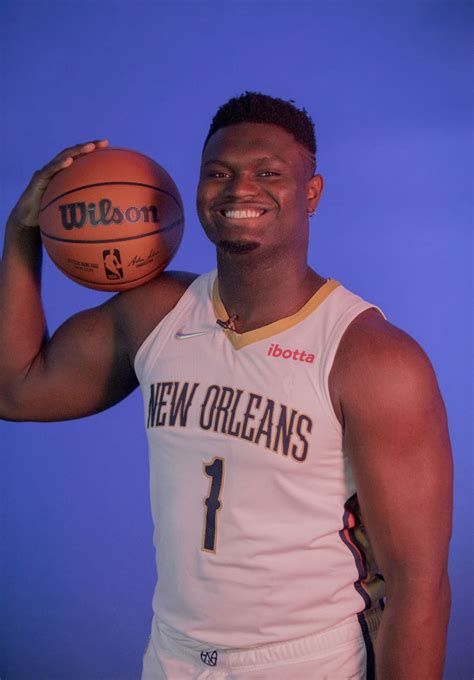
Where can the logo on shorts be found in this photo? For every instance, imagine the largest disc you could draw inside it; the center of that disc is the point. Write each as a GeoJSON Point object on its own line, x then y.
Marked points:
{"type": "Point", "coordinates": [209, 658]}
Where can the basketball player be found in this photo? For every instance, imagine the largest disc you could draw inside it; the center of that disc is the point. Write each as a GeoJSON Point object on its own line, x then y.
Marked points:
{"type": "Point", "coordinates": [300, 462]}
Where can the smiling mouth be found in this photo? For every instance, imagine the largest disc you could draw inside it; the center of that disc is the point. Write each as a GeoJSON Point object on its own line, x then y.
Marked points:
{"type": "Point", "coordinates": [242, 214]}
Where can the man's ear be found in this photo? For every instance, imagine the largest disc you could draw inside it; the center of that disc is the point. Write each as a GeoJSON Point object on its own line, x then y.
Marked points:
{"type": "Point", "coordinates": [313, 192]}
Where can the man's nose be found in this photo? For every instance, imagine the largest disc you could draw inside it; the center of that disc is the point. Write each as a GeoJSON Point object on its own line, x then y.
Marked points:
{"type": "Point", "coordinates": [242, 185]}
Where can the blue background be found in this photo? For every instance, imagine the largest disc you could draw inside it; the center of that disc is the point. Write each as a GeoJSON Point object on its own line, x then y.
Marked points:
{"type": "Point", "coordinates": [388, 86]}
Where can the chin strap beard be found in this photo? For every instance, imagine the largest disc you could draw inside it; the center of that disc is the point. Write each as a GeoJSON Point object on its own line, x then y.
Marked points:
{"type": "Point", "coordinates": [228, 325]}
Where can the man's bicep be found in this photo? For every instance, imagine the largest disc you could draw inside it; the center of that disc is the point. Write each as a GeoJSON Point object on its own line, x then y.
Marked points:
{"type": "Point", "coordinates": [397, 440]}
{"type": "Point", "coordinates": [82, 369]}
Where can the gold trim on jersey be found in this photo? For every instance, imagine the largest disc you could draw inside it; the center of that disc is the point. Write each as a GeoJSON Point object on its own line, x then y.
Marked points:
{"type": "Point", "coordinates": [240, 340]}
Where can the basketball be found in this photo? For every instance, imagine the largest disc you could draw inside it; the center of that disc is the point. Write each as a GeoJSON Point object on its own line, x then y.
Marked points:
{"type": "Point", "coordinates": [112, 220]}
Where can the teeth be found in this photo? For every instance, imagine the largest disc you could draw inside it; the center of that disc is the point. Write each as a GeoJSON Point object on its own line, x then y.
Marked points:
{"type": "Point", "coordinates": [242, 214]}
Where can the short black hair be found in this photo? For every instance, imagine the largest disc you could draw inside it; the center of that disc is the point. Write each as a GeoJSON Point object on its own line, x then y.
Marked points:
{"type": "Point", "coordinates": [255, 107]}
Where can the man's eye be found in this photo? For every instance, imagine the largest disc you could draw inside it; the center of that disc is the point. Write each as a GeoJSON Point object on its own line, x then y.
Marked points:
{"type": "Point", "coordinates": [218, 174]}
{"type": "Point", "coordinates": [269, 173]}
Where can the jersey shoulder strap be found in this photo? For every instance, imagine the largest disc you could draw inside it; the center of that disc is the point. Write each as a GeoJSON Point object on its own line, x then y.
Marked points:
{"type": "Point", "coordinates": [191, 309]}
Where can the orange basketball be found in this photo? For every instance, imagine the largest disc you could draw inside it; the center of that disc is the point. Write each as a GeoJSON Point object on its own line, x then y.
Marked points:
{"type": "Point", "coordinates": [112, 220]}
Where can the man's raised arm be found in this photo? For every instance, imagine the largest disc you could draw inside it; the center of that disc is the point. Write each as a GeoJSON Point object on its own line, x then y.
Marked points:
{"type": "Point", "coordinates": [85, 366]}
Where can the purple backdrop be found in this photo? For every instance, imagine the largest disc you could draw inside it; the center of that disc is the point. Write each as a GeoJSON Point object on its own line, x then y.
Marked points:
{"type": "Point", "coordinates": [388, 87]}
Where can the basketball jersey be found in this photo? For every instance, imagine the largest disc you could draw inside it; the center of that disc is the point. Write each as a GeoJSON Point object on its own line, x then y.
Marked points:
{"type": "Point", "coordinates": [258, 532]}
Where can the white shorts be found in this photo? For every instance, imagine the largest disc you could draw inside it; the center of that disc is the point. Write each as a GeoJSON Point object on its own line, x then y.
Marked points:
{"type": "Point", "coordinates": [344, 652]}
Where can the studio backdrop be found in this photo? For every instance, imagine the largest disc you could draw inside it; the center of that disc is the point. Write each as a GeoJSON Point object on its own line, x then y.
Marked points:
{"type": "Point", "coordinates": [388, 87]}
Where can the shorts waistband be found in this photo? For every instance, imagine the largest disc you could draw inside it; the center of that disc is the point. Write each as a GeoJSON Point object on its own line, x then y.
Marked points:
{"type": "Point", "coordinates": [311, 646]}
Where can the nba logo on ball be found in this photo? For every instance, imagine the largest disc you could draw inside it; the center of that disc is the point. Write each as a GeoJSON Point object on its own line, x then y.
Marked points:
{"type": "Point", "coordinates": [112, 220]}
{"type": "Point", "coordinates": [112, 264]}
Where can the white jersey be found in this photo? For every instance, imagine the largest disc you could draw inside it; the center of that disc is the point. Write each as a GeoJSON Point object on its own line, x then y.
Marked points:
{"type": "Point", "coordinates": [258, 533]}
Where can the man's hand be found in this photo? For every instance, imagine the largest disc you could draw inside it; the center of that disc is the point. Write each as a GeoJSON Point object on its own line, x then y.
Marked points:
{"type": "Point", "coordinates": [26, 212]}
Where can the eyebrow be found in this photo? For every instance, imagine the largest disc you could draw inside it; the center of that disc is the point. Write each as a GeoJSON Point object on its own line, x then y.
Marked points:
{"type": "Point", "coordinates": [257, 160]}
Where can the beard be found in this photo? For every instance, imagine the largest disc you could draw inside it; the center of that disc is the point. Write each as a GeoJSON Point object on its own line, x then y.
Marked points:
{"type": "Point", "coordinates": [238, 247]}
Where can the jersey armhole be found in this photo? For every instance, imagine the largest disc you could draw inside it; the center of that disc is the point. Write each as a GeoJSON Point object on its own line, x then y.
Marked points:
{"type": "Point", "coordinates": [332, 346]}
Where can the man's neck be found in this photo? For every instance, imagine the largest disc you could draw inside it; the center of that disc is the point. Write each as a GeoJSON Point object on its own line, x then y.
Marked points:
{"type": "Point", "coordinates": [259, 293]}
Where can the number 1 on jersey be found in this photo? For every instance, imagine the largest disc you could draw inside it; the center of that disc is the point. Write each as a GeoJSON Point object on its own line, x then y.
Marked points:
{"type": "Point", "coordinates": [212, 504]}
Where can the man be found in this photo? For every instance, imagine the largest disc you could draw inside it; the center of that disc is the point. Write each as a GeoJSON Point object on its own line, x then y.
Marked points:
{"type": "Point", "coordinates": [299, 455]}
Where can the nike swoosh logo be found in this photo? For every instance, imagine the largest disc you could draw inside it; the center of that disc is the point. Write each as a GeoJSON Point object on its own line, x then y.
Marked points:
{"type": "Point", "coordinates": [185, 336]}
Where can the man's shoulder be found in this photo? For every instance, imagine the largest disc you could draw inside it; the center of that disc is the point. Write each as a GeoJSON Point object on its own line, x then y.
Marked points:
{"type": "Point", "coordinates": [377, 362]}
{"type": "Point", "coordinates": [140, 309]}
{"type": "Point", "coordinates": [371, 338]}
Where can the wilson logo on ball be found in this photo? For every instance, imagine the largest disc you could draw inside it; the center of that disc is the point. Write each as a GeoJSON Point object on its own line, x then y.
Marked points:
{"type": "Point", "coordinates": [76, 215]}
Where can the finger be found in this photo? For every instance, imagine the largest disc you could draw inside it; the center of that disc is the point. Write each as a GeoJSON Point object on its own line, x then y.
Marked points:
{"type": "Point", "coordinates": [66, 158]}
{"type": "Point", "coordinates": [27, 208]}
{"type": "Point", "coordinates": [78, 149]}
{"type": "Point", "coordinates": [85, 147]}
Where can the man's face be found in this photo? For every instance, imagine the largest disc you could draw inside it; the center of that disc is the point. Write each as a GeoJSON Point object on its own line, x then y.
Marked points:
{"type": "Point", "coordinates": [256, 189]}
